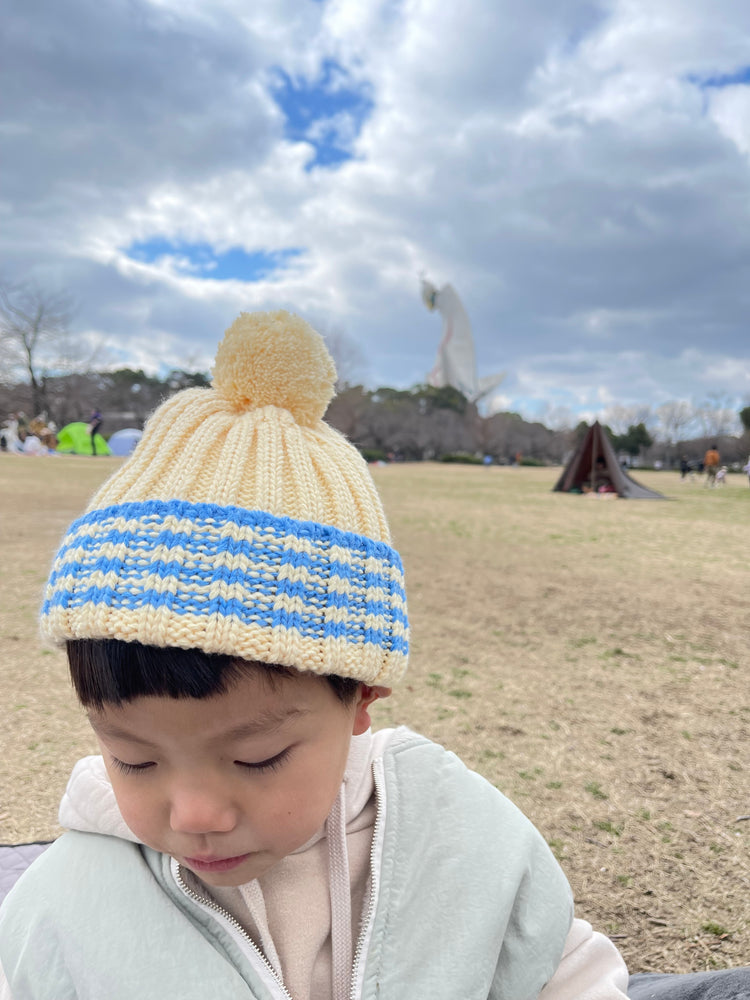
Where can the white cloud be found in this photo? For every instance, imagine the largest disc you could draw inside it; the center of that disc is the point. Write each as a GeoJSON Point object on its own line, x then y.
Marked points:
{"type": "Point", "coordinates": [560, 165]}
{"type": "Point", "coordinates": [730, 109]}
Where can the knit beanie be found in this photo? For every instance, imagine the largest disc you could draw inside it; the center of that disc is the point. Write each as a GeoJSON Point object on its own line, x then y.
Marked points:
{"type": "Point", "coordinates": [242, 524]}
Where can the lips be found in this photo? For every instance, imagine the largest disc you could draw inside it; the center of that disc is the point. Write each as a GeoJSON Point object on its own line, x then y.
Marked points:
{"type": "Point", "coordinates": [215, 864]}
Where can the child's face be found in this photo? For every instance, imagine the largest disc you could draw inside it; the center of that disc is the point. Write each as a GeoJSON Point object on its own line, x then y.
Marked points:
{"type": "Point", "coordinates": [231, 784]}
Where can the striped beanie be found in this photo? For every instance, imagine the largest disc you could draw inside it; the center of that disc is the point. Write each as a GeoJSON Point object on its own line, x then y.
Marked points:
{"type": "Point", "coordinates": [242, 524]}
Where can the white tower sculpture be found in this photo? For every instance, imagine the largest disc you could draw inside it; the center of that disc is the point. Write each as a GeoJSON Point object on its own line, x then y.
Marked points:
{"type": "Point", "coordinates": [455, 364]}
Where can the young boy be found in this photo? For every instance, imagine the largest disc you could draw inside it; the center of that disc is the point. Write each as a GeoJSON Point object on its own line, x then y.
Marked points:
{"type": "Point", "coordinates": [231, 606]}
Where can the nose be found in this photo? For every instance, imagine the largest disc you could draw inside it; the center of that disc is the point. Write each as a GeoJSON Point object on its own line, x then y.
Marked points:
{"type": "Point", "coordinates": [197, 808]}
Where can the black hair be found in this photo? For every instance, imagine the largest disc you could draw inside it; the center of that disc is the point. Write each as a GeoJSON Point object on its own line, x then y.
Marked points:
{"type": "Point", "coordinates": [110, 671]}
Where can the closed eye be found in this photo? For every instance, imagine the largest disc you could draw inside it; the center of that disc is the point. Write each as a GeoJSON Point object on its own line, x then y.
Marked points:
{"type": "Point", "coordinates": [266, 765]}
{"type": "Point", "coordinates": [131, 768]}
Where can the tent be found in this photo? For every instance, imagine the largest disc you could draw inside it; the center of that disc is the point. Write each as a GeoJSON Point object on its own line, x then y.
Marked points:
{"type": "Point", "coordinates": [595, 458]}
{"type": "Point", "coordinates": [124, 441]}
{"type": "Point", "coordinates": [74, 439]}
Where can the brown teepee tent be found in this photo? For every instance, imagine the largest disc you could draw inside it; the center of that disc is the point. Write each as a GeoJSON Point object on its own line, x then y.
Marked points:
{"type": "Point", "coordinates": [595, 458]}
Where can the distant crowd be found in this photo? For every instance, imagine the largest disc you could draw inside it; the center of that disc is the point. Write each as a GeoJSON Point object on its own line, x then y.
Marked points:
{"type": "Point", "coordinates": [715, 472]}
{"type": "Point", "coordinates": [23, 436]}
{"type": "Point", "coordinates": [39, 435]}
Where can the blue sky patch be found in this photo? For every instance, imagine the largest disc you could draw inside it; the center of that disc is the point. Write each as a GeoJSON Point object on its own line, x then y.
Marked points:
{"type": "Point", "coordinates": [741, 75]}
{"type": "Point", "coordinates": [328, 112]}
{"type": "Point", "coordinates": [201, 260]}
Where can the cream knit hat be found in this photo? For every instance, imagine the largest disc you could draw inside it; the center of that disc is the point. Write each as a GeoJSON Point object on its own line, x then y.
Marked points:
{"type": "Point", "coordinates": [242, 524]}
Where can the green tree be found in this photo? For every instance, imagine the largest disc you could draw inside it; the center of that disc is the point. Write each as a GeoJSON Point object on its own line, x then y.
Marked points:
{"type": "Point", "coordinates": [635, 438]}
{"type": "Point", "coordinates": [445, 397]}
{"type": "Point", "coordinates": [580, 433]}
{"type": "Point", "coordinates": [745, 417]}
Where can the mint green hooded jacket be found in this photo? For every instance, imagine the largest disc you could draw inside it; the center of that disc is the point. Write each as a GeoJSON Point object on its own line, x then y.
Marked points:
{"type": "Point", "coordinates": [466, 902]}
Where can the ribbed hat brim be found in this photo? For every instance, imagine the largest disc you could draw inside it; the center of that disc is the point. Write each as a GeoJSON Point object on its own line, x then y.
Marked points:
{"type": "Point", "coordinates": [229, 580]}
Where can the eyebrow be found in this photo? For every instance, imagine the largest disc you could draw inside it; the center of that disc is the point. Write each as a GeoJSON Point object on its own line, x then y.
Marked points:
{"type": "Point", "coordinates": [268, 722]}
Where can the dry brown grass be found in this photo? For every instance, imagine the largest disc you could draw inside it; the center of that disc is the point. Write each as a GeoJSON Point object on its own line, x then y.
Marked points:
{"type": "Point", "coordinates": [588, 656]}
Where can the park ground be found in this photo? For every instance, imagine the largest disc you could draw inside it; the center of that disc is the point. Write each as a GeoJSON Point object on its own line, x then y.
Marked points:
{"type": "Point", "coordinates": [588, 655]}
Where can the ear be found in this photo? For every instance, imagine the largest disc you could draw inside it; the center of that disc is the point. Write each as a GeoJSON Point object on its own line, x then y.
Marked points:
{"type": "Point", "coordinates": [367, 695]}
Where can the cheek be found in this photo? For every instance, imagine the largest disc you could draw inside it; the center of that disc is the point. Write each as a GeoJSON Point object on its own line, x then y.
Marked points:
{"type": "Point", "coordinates": [137, 809]}
{"type": "Point", "coordinates": [315, 787]}
{"type": "Point", "coordinates": [295, 808]}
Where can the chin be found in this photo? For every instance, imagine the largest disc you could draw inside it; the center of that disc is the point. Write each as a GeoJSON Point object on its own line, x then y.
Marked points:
{"type": "Point", "coordinates": [244, 872]}
{"type": "Point", "coordinates": [227, 880]}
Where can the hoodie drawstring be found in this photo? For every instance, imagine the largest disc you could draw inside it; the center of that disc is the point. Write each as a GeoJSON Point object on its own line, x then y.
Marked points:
{"type": "Point", "coordinates": [341, 900]}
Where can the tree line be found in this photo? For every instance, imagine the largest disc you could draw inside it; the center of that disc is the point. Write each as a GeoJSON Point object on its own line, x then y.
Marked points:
{"type": "Point", "coordinates": [416, 424]}
{"type": "Point", "coordinates": [44, 372]}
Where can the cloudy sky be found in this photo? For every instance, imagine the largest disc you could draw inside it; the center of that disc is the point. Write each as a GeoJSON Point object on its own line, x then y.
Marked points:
{"type": "Point", "coordinates": [579, 171]}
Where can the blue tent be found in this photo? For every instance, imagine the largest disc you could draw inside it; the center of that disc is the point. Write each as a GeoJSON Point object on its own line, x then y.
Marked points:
{"type": "Point", "coordinates": [123, 442]}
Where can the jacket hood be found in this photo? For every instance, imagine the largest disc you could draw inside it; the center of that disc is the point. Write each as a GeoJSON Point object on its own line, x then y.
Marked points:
{"type": "Point", "coordinates": [89, 803]}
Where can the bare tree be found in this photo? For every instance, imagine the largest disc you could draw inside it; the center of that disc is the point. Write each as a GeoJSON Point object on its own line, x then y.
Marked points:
{"type": "Point", "coordinates": [347, 412]}
{"type": "Point", "coordinates": [619, 418]}
{"type": "Point", "coordinates": [346, 354]}
{"type": "Point", "coordinates": [33, 327]}
{"type": "Point", "coordinates": [557, 417]}
{"type": "Point", "coordinates": [674, 418]}
{"type": "Point", "coordinates": [718, 416]}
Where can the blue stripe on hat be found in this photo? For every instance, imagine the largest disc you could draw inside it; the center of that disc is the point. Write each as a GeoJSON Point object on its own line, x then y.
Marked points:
{"type": "Point", "coordinates": [205, 560]}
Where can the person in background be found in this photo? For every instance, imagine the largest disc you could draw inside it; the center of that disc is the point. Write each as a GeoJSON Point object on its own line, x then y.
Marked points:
{"type": "Point", "coordinates": [602, 481]}
{"type": "Point", "coordinates": [711, 462]}
{"type": "Point", "coordinates": [22, 426]}
{"type": "Point", "coordinates": [95, 422]}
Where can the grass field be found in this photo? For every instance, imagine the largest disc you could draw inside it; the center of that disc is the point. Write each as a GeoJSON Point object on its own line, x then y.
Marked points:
{"type": "Point", "coordinates": [589, 656]}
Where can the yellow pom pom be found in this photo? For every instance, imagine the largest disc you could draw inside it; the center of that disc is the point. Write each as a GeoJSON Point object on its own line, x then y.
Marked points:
{"type": "Point", "coordinates": [275, 359]}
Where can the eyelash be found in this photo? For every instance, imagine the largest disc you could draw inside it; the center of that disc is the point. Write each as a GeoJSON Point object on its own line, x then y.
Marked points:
{"type": "Point", "coordinates": [264, 765]}
{"type": "Point", "coordinates": [130, 768]}
{"type": "Point", "coordinates": [267, 765]}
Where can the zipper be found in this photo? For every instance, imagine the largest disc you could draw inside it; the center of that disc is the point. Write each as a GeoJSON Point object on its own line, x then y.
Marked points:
{"type": "Point", "coordinates": [377, 836]}
{"type": "Point", "coordinates": [210, 904]}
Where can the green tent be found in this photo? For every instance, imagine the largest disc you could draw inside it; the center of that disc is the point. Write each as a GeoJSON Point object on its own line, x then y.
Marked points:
{"type": "Point", "coordinates": [74, 439]}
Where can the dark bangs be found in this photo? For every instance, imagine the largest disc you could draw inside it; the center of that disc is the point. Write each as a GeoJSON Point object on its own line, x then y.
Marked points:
{"type": "Point", "coordinates": [110, 671]}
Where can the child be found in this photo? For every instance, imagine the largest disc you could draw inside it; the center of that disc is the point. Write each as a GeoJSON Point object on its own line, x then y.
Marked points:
{"type": "Point", "coordinates": [231, 606]}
